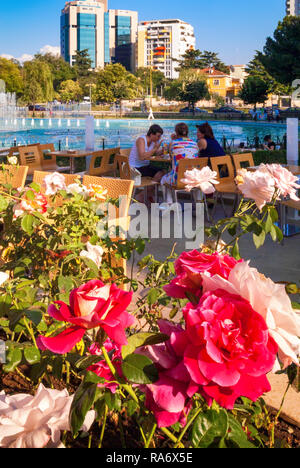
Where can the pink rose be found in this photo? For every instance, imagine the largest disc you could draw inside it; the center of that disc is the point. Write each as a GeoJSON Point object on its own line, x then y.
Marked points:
{"type": "Point", "coordinates": [37, 203]}
{"type": "Point", "coordinates": [189, 267]}
{"type": "Point", "coordinates": [205, 179]}
{"type": "Point", "coordinates": [230, 350]}
{"type": "Point", "coordinates": [268, 299]}
{"type": "Point", "coordinates": [53, 183]}
{"type": "Point", "coordinates": [101, 368]}
{"type": "Point", "coordinates": [92, 305]}
{"type": "Point", "coordinates": [258, 186]}
{"type": "Point", "coordinates": [285, 181]}
{"type": "Point", "coordinates": [169, 397]}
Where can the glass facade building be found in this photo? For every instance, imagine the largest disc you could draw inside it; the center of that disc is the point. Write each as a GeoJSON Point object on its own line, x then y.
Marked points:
{"type": "Point", "coordinates": [86, 34]}
{"type": "Point", "coordinates": [108, 35]}
{"type": "Point", "coordinates": [123, 50]}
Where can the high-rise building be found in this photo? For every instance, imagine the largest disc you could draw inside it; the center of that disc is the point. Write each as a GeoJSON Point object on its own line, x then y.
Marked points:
{"type": "Point", "coordinates": [108, 35]}
{"type": "Point", "coordinates": [161, 42]}
{"type": "Point", "coordinates": [293, 7]}
{"type": "Point", "coordinates": [120, 41]}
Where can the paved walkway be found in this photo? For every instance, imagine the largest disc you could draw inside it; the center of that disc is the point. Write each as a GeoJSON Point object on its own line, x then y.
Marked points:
{"type": "Point", "coordinates": [280, 263]}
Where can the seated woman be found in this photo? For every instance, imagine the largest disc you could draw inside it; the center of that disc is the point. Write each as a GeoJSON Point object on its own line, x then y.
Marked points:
{"type": "Point", "coordinates": [207, 144]}
{"type": "Point", "coordinates": [181, 147]}
{"type": "Point", "coordinates": [144, 148]}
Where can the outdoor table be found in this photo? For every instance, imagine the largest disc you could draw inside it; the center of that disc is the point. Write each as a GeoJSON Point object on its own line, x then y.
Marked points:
{"type": "Point", "coordinates": [160, 159]}
{"type": "Point", "coordinates": [72, 155]}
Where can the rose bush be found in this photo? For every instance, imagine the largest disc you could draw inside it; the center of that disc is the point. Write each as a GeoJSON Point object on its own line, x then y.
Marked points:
{"type": "Point", "coordinates": [197, 383]}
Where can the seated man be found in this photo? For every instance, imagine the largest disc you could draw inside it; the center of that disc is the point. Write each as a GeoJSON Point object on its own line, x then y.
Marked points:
{"type": "Point", "coordinates": [269, 144]}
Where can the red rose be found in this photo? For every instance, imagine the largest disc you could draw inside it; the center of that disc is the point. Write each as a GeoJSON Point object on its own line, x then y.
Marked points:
{"type": "Point", "coordinates": [189, 267]}
{"type": "Point", "coordinates": [230, 350]}
{"type": "Point", "coordinates": [92, 305]}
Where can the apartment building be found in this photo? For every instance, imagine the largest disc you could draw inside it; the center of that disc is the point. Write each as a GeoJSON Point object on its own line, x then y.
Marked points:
{"type": "Point", "coordinates": [292, 7]}
{"type": "Point", "coordinates": [161, 42]}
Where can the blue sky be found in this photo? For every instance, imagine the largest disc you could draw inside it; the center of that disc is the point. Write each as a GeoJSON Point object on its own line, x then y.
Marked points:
{"type": "Point", "coordinates": [233, 28]}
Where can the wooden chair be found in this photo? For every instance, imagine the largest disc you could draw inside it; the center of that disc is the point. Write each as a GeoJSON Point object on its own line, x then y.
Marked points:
{"type": "Point", "coordinates": [30, 156]}
{"type": "Point", "coordinates": [116, 188]}
{"type": "Point", "coordinates": [223, 166]}
{"type": "Point", "coordinates": [15, 176]}
{"type": "Point", "coordinates": [242, 161]}
{"type": "Point", "coordinates": [183, 166]}
{"type": "Point", "coordinates": [125, 152]}
{"type": "Point", "coordinates": [48, 160]}
{"type": "Point", "coordinates": [103, 162]}
{"type": "Point", "coordinates": [39, 176]}
{"type": "Point", "coordinates": [125, 173]}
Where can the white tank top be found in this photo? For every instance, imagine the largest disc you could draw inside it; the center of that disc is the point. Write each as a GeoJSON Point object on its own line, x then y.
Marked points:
{"type": "Point", "coordinates": [134, 160]}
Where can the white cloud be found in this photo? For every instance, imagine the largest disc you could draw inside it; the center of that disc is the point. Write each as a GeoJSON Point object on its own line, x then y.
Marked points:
{"type": "Point", "coordinates": [47, 49]}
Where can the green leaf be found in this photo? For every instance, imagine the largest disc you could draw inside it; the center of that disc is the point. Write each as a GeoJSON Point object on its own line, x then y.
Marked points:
{"type": "Point", "coordinates": [268, 223]}
{"type": "Point", "coordinates": [236, 251]}
{"type": "Point", "coordinates": [209, 426]}
{"type": "Point", "coordinates": [13, 359]}
{"type": "Point", "coordinates": [32, 355]}
{"type": "Point", "coordinates": [259, 240]}
{"type": "Point", "coordinates": [35, 316]}
{"type": "Point", "coordinates": [4, 202]}
{"type": "Point", "coordinates": [296, 305]}
{"type": "Point", "coordinates": [87, 361]}
{"type": "Point", "coordinates": [237, 435]}
{"type": "Point", "coordinates": [27, 223]}
{"type": "Point", "coordinates": [139, 369]}
{"type": "Point", "coordinates": [132, 406]}
{"type": "Point", "coordinates": [82, 402]}
{"type": "Point", "coordinates": [153, 296]}
{"type": "Point", "coordinates": [65, 284]}
{"type": "Point", "coordinates": [113, 401]}
{"type": "Point", "coordinates": [142, 339]}
{"type": "Point", "coordinates": [29, 195]}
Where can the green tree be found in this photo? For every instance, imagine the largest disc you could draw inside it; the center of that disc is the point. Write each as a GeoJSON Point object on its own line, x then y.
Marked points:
{"type": "Point", "coordinates": [195, 59]}
{"type": "Point", "coordinates": [11, 74]}
{"type": "Point", "coordinates": [70, 91]}
{"type": "Point", "coordinates": [280, 54]}
{"type": "Point", "coordinates": [190, 60]}
{"type": "Point", "coordinates": [114, 83]}
{"type": "Point", "coordinates": [158, 78]}
{"type": "Point", "coordinates": [83, 63]}
{"type": "Point", "coordinates": [190, 87]}
{"type": "Point", "coordinates": [256, 68]}
{"type": "Point", "coordinates": [61, 70]}
{"type": "Point", "coordinates": [38, 82]}
{"type": "Point", "coordinates": [254, 90]}
{"type": "Point", "coordinates": [211, 60]}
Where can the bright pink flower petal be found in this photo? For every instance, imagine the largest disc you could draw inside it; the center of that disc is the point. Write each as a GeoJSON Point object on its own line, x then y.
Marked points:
{"type": "Point", "coordinates": [64, 342]}
{"type": "Point", "coordinates": [169, 394]}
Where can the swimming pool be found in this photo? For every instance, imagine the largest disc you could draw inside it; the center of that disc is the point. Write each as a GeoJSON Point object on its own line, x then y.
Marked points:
{"type": "Point", "coordinates": [70, 133]}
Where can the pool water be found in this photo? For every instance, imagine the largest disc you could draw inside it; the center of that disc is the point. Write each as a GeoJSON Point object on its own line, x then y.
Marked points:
{"type": "Point", "coordinates": [70, 133]}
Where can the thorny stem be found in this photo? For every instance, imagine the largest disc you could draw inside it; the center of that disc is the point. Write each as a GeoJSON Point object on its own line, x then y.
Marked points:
{"type": "Point", "coordinates": [148, 442]}
{"type": "Point", "coordinates": [115, 374]}
{"type": "Point", "coordinates": [103, 426]}
{"type": "Point", "coordinates": [278, 414]}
